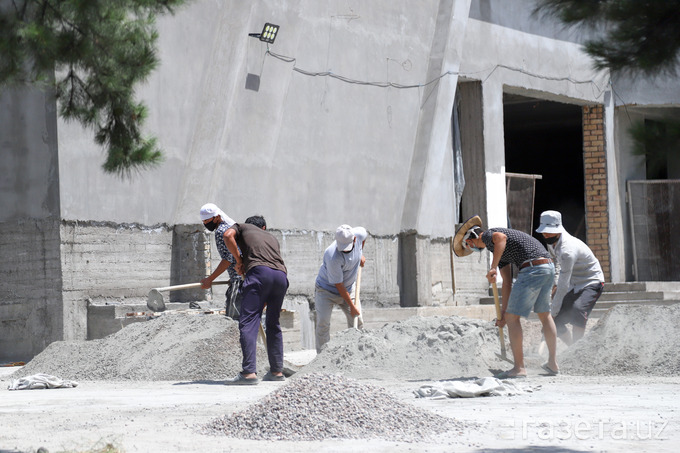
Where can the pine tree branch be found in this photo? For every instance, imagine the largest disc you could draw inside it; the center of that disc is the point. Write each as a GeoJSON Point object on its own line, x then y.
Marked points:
{"type": "Point", "coordinates": [106, 48]}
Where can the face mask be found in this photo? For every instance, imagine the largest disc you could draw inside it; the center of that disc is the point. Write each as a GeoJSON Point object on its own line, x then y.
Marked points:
{"type": "Point", "coordinates": [552, 240]}
{"type": "Point", "coordinates": [472, 247]}
{"type": "Point", "coordinates": [211, 226]}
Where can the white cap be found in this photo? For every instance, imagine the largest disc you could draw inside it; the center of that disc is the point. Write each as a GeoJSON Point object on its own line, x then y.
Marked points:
{"type": "Point", "coordinates": [344, 238]}
{"type": "Point", "coordinates": [551, 222]}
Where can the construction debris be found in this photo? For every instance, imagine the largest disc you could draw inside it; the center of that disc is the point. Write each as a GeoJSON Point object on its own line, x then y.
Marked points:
{"type": "Point", "coordinates": [321, 406]}
{"type": "Point", "coordinates": [418, 348]}
{"type": "Point", "coordinates": [171, 347]}
{"type": "Point", "coordinates": [628, 340]}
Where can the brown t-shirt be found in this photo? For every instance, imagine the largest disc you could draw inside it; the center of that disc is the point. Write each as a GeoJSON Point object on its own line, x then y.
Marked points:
{"type": "Point", "coordinates": [258, 247]}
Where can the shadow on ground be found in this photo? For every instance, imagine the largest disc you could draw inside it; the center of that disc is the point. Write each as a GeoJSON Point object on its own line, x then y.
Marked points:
{"type": "Point", "coordinates": [533, 449]}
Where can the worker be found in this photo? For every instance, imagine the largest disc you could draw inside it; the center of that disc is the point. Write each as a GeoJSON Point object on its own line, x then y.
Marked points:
{"type": "Point", "coordinates": [531, 289]}
{"type": "Point", "coordinates": [336, 278]}
{"type": "Point", "coordinates": [580, 280]}
{"type": "Point", "coordinates": [214, 219]}
{"type": "Point", "coordinates": [265, 284]}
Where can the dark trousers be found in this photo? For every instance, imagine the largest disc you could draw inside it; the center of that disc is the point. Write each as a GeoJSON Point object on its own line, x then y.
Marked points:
{"type": "Point", "coordinates": [262, 286]}
{"type": "Point", "coordinates": [576, 307]}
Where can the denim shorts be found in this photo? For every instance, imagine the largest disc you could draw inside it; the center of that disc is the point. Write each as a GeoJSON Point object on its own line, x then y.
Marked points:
{"type": "Point", "coordinates": [532, 289]}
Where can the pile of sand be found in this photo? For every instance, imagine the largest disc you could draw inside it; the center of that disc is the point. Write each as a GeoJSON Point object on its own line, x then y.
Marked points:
{"type": "Point", "coordinates": [628, 340]}
{"type": "Point", "coordinates": [418, 348]}
{"type": "Point", "coordinates": [172, 347]}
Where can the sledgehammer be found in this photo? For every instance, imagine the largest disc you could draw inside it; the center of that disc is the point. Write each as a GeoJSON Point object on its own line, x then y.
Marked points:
{"type": "Point", "coordinates": [155, 299]}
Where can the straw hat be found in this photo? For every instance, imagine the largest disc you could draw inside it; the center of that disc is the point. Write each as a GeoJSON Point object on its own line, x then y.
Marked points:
{"type": "Point", "coordinates": [458, 248]}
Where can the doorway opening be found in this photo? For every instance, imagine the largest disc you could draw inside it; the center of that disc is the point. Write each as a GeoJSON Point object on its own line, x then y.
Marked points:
{"type": "Point", "coordinates": [546, 138]}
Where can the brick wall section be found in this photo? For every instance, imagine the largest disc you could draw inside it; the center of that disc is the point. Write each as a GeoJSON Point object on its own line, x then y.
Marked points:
{"type": "Point", "coordinates": [596, 197]}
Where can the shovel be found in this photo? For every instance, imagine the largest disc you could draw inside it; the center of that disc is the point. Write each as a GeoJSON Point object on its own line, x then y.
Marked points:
{"type": "Point", "coordinates": [155, 299]}
{"type": "Point", "coordinates": [357, 301]}
{"type": "Point", "coordinates": [501, 336]}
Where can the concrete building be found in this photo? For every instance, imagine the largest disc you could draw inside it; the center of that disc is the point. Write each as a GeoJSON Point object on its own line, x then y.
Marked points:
{"type": "Point", "coordinates": [367, 113]}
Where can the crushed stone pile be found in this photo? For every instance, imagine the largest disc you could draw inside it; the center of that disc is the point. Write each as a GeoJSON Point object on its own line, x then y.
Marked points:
{"type": "Point", "coordinates": [628, 340]}
{"type": "Point", "coordinates": [427, 348]}
{"type": "Point", "coordinates": [172, 347]}
{"type": "Point", "coordinates": [321, 406]}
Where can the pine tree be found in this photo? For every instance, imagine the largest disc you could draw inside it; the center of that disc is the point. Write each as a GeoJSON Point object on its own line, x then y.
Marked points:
{"type": "Point", "coordinates": [640, 36]}
{"type": "Point", "coordinates": [92, 53]}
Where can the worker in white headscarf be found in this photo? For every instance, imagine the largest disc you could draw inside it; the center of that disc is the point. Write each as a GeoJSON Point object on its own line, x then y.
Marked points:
{"type": "Point", "coordinates": [214, 219]}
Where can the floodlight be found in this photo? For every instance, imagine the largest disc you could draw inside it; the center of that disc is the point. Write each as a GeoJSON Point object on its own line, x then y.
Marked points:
{"type": "Point", "coordinates": [268, 33]}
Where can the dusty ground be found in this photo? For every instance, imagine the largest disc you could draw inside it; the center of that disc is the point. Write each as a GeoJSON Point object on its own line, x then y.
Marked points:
{"type": "Point", "coordinates": [152, 386]}
{"type": "Point", "coordinates": [568, 414]}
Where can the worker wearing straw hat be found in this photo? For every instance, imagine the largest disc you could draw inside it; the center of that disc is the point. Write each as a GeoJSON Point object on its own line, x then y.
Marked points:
{"type": "Point", "coordinates": [532, 288]}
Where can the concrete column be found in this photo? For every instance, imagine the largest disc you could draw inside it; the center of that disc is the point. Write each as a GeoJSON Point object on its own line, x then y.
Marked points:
{"type": "Point", "coordinates": [190, 262]}
{"type": "Point", "coordinates": [494, 154]}
{"type": "Point", "coordinates": [617, 238]}
{"type": "Point", "coordinates": [423, 211]}
{"type": "Point", "coordinates": [416, 275]}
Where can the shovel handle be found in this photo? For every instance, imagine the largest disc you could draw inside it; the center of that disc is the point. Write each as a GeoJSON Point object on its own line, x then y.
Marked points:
{"type": "Point", "coordinates": [357, 300]}
{"type": "Point", "coordinates": [498, 316]}
{"type": "Point", "coordinates": [496, 301]}
{"type": "Point", "coordinates": [188, 286]}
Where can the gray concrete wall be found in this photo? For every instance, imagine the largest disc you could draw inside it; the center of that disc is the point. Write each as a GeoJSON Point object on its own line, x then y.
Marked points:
{"type": "Point", "coordinates": [384, 275]}
{"type": "Point", "coordinates": [309, 151]}
{"type": "Point", "coordinates": [518, 15]}
{"type": "Point", "coordinates": [304, 151]}
{"type": "Point", "coordinates": [635, 90]}
{"type": "Point", "coordinates": [29, 186]}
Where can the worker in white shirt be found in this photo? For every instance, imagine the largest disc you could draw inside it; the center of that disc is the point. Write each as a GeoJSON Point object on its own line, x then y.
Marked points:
{"type": "Point", "coordinates": [579, 277]}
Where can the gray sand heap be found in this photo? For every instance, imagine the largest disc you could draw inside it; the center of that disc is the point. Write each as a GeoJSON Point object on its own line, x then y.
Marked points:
{"type": "Point", "coordinates": [628, 340]}
{"type": "Point", "coordinates": [429, 348]}
{"type": "Point", "coordinates": [321, 406]}
{"type": "Point", "coordinates": [173, 347]}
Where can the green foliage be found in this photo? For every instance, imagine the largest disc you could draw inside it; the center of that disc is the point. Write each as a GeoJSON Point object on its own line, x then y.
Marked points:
{"type": "Point", "coordinates": [656, 141]}
{"type": "Point", "coordinates": [640, 36]}
{"type": "Point", "coordinates": [92, 53]}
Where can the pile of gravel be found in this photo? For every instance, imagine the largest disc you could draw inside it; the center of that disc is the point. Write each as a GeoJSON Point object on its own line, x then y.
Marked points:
{"type": "Point", "coordinates": [176, 346]}
{"type": "Point", "coordinates": [628, 340]}
{"type": "Point", "coordinates": [428, 348]}
{"type": "Point", "coordinates": [319, 406]}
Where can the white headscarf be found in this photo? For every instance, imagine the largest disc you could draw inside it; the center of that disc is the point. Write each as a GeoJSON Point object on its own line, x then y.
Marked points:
{"type": "Point", "coordinates": [209, 210]}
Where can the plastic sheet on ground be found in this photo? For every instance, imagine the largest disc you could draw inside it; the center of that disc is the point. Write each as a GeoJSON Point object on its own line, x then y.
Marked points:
{"type": "Point", "coordinates": [40, 381]}
{"type": "Point", "coordinates": [487, 386]}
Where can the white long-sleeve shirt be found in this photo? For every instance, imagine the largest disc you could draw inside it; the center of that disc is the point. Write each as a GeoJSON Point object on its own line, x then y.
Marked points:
{"type": "Point", "coordinates": [575, 267]}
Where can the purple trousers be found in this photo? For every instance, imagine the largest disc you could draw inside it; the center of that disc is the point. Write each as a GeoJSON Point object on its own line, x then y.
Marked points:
{"type": "Point", "coordinates": [262, 285]}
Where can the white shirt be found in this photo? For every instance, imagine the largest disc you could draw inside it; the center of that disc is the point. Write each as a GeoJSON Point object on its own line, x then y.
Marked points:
{"type": "Point", "coordinates": [575, 267]}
